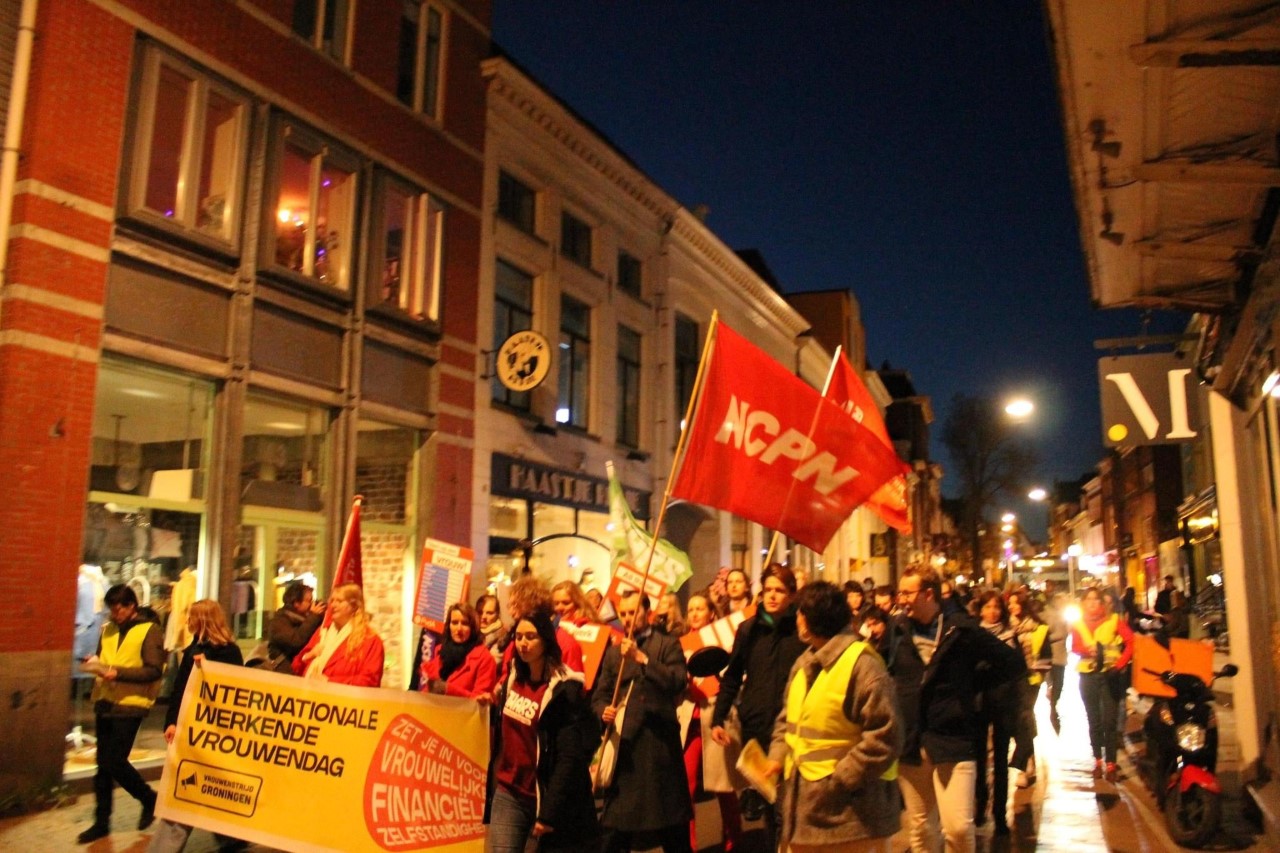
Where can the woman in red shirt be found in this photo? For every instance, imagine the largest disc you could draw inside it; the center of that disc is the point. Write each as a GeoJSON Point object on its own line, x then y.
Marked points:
{"type": "Point", "coordinates": [461, 665]}
{"type": "Point", "coordinates": [346, 651]}
{"type": "Point", "coordinates": [1104, 643]}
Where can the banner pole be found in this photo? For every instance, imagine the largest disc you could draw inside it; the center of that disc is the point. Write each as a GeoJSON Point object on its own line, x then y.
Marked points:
{"type": "Point", "coordinates": [676, 460]}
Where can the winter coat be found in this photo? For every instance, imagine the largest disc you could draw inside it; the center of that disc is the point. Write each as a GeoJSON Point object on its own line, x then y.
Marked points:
{"type": "Point", "coordinates": [649, 791]}
{"type": "Point", "coordinates": [854, 802]}
{"type": "Point", "coordinates": [476, 675]}
{"type": "Point", "coordinates": [567, 739]}
{"type": "Point", "coordinates": [288, 633]}
{"type": "Point", "coordinates": [230, 653]}
{"type": "Point", "coordinates": [938, 702]}
{"type": "Point", "coordinates": [762, 655]}
{"type": "Point", "coordinates": [361, 666]}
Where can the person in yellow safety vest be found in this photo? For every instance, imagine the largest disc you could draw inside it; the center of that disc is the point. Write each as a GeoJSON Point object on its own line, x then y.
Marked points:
{"type": "Point", "coordinates": [838, 733]}
{"type": "Point", "coordinates": [1104, 643]}
{"type": "Point", "coordinates": [1032, 635]}
{"type": "Point", "coordinates": [128, 666]}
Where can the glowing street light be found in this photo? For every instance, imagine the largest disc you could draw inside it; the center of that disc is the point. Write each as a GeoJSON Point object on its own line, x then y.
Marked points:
{"type": "Point", "coordinates": [1037, 494]}
{"type": "Point", "coordinates": [1008, 518]}
{"type": "Point", "coordinates": [1019, 408]}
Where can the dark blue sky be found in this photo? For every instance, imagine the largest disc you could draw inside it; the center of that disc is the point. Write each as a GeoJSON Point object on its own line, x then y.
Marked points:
{"type": "Point", "coordinates": [910, 151]}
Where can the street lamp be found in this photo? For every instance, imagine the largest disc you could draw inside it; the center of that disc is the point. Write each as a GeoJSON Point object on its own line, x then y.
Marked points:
{"type": "Point", "coordinates": [1019, 408]}
{"type": "Point", "coordinates": [1039, 495]}
{"type": "Point", "coordinates": [1008, 518]}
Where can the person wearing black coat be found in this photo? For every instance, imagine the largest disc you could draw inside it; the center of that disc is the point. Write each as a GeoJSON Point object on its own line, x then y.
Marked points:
{"type": "Point", "coordinates": [291, 626]}
{"type": "Point", "coordinates": [648, 804]}
{"type": "Point", "coordinates": [940, 662]}
{"type": "Point", "coordinates": [540, 773]}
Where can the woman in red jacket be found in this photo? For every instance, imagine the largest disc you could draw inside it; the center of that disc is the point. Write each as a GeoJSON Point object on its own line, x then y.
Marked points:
{"type": "Point", "coordinates": [461, 665]}
{"type": "Point", "coordinates": [346, 651]}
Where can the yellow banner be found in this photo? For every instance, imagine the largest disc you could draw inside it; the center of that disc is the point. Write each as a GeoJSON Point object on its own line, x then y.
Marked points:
{"type": "Point", "coordinates": [307, 765]}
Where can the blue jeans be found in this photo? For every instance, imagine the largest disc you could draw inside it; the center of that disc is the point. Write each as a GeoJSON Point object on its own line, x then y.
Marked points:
{"type": "Point", "coordinates": [510, 822]}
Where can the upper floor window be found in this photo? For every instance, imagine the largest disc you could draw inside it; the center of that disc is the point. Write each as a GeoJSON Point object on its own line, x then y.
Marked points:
{"type": "Point", "coordinates": [512, 312]}
{"type": "Point", "coordinates": [629, 274]}
{"type": "Point", "coordinates": [628, 387]}
{"type": "Point", "coordinates": [408, 234]}
{"type": "Point", "coordinates": [686, 362]}
{"type": "Point", "coordinates": [575, 239]}
{"type": "Point", "coordinates": [315, 208]}
{"type": "Point", "coordinates": [421, 45]}
{"type": "Point", "coordinates": [190, 154]}
{"type": "Point", "coordinates": [575, 362]}
{"type": "Point", "coordinates": [325, 24]}
{"type": "Point", "coordinates": [517, 203]}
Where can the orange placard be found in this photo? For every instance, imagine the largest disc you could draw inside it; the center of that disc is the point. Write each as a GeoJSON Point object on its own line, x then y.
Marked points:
{"type": "Point", "coordinates": [1185, 656]}
{"type": "Point", "coordinates": [594, 640]}
{"type": "Point", "coordinates": [627, 576]}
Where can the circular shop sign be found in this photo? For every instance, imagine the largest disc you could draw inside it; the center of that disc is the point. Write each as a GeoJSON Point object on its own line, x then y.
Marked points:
{"type": "Point", "coordinates": [524, 359]}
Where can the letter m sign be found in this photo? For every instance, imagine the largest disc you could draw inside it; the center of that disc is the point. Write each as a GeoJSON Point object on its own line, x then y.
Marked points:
{"type": "Point", "coordinates": [1147, 399]}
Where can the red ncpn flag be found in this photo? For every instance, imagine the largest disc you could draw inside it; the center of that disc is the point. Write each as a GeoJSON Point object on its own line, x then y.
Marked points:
{"type": "Point", "coordinates": [766, 446]}
{"type": "Point", "coordinates": [349, 568]}
{"type": "Point", "coordinates": [847, 390]}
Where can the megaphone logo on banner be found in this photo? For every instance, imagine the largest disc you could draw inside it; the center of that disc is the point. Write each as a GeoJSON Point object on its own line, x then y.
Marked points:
{"type": "Point", "coordinates": [190, 780]}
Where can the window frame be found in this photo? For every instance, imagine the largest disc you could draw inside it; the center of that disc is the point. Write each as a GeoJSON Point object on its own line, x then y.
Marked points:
{"type": "Point", "coordinates": [426, 256]}
{"type": "Point", "coordinates": [685, 368]}
{"type": "Point", "coordinates": [626, 259]}
{"type": "Point", "coordinates": [428, 71]}
{"type": "Point", "coordinates": [629, 371]}
{"type": "Point", "coordinates": [573, 352]}
{"type": "Point", "coordinates": [325, 151]}
{"type": "Point", "coordinates": [187, 203]}
{"type": "Point", "coordinates": [572, 228]}
{"type": "Point", "coordinates": [339, 49]}
{"type": "Point", "coordinates": [505, 177]}
{"type": "Point", "coordinates": [521, 401]}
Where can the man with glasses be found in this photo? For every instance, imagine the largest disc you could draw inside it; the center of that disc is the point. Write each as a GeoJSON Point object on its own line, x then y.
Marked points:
{"type": "Point", "coordinates": [940, 662]}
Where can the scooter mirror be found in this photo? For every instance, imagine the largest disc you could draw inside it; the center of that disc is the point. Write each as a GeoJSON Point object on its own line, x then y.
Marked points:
{"type": "Point", "coordinates": [1228, 671]}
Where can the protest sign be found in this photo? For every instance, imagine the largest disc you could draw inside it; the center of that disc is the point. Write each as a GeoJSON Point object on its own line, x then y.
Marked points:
{"type": "Point", "coordinates": [259, 756]}
{"type": "Point", "coordinates": [444, 580]}
{"type": "Point", "coordinates": [627, 576]}
{"type": "Point", "coordinates": [594, 640]}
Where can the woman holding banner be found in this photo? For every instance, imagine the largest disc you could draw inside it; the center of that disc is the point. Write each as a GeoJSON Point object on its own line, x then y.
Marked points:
{"type": "Point", "coordinates": [346, 651]}
{"type": "Point", "coordinates": [540, 775]}
{"type": "Point", "coordinates": [210, 640]}
{"type": "Point", "coordinates": [461, 665]}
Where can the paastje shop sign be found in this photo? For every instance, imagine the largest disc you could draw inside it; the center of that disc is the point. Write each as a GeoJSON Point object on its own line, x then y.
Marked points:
{"type": "Point", "coordinates": [306, 765]}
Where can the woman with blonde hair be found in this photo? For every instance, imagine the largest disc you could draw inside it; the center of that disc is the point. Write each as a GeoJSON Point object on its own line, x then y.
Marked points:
{"type": "Point", "coordinates": [571, 605]}
{"type": "Point", "coordinates": [347, 650]}
{"type": "Point", "coordinates": [210, 640]}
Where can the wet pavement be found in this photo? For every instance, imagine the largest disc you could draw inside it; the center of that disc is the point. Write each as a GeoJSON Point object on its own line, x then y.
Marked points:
{"type": "Point", "coordinates": [1066, 811]}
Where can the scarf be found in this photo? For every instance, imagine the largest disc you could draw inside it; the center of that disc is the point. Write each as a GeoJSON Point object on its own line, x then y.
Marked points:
{"type": "Point", "coordinates": [453, 654]}
{"type": "Point", "coordinates": [331, 640]}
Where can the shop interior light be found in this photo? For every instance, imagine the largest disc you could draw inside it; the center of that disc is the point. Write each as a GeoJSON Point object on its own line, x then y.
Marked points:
{"type": "Point", "coordinates": [1272, 384]}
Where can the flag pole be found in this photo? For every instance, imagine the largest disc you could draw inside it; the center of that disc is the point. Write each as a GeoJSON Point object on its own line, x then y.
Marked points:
{"type": "Point", "coordinates": [813, 425]}
{"type": "Point", "coordinates": [676, 460]}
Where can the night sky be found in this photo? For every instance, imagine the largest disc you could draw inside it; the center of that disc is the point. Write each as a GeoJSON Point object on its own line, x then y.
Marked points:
{"type": "Point", "coordinates": [909, 151]}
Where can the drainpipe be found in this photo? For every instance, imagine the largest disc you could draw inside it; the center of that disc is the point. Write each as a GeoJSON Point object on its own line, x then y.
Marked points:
{"type": "Point", "coordinates": [13, 127]}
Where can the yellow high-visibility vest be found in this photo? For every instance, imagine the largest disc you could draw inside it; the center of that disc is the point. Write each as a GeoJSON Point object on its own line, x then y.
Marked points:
{"type": "Point", "coordinates": [1036, 637]}
{"type": "Point", "coordinates": [1108, 636]}
{"type": "Point", "coordinates": [818, 733]}
{"type": "Point", "coordinates": [124, 651]}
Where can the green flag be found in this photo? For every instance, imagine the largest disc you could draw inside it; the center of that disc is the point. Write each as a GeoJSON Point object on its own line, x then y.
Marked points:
{"type": "Point", "coordinates": [631, 542]}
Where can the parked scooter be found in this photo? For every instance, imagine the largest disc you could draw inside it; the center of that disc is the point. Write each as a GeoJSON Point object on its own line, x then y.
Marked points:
{"type": "Point", "coordinates": [1182, 754]}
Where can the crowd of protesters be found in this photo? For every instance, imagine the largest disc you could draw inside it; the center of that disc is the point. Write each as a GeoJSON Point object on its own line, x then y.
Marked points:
{"type": "Point", "coordinates": [871, 709]}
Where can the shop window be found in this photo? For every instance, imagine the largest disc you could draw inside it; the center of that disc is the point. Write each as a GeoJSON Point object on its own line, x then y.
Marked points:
{"type": "Point", "coordinates": [386, 460]}
{"type": "Point", "coordinates": [315, 207]}
{"type": "Point", "coordinates": [686, 363]}
{"type": "Point", "coordinates": [421, 46]}
{"type": "Point", "coordinates": [284, 454]}
{"type": "Point", "coordinates": [575, 240]}
{"type": "Point", "coordinates": [190, 150]}
{"type": "Point", "coordinates": [325, 24]}
{"type": "Point", "coordinates": [629, 274]}
{"type": "Point", "coordinates": [628, 389]}
{"type": "Point", "coordinates": [517, 203]}
{"type": "Point", "coordinates": [584, 554]}
{"type": "Point", "coordinates": [513, 312]}
{"type": "Point", "coordinates": [410, 234]}
{"type": "Point", "coordinates": [575, 363]}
